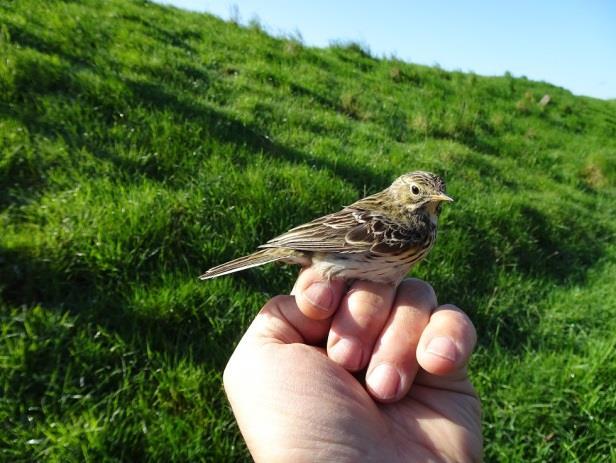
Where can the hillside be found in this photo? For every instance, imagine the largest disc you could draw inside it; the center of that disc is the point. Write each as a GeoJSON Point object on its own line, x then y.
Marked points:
{"type": "Point", "coordinates": [140, 145]}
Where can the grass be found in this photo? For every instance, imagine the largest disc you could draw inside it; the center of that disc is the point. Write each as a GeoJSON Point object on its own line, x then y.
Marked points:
{"type": "Point", "coordinates": [141, 144]}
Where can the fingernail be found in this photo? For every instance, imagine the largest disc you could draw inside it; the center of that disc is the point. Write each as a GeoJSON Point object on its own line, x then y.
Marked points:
{"type": "Point", "coordinates": [443, 347]}
{"type": "Point", "coordinates": [384, 381]}
{"type": "Point", "coordinates": [320, 295]}
{"type": "Point", "coordinates": [346, 352]}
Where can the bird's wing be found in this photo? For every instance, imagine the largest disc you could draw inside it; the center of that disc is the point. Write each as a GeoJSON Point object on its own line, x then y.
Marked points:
{"type": "Point", "coordinates": [351, 230]}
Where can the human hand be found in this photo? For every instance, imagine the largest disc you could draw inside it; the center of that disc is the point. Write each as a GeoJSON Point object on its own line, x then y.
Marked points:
{"type": "Point", "coordinates": [298, 402]}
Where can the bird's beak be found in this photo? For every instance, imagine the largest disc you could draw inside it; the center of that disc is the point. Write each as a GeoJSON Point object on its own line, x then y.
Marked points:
{"type": "Point", "coordinates": [441, 197]}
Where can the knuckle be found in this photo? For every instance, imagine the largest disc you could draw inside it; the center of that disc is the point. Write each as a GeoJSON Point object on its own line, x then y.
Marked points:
{"type": "Point", "coordinates": [307, 276]}
{"type": "Point", "coordinates": [419, 290]}
{"type": "Point", "coordinates": [278, 300]}
{"type": "Point", "coordinates": [363, 299]}
{"type": "Point", "coordinates": [275, 304]}
{"type": "Point", "coordinates": [463, 323]}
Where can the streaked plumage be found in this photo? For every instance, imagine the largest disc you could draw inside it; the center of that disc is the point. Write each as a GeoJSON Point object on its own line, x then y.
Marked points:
{"type": "Point", "coordinates": [377, 238]}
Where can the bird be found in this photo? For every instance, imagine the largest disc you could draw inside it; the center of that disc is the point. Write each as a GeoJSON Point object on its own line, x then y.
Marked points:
{"type": "Point", "coordinates": [377, 238]}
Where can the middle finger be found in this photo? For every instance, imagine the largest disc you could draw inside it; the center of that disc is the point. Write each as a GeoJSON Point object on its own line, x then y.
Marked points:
{"type": "Point", "coordinates": [358, 322]}
{"type": "Point", "coordinates": [393, 365]}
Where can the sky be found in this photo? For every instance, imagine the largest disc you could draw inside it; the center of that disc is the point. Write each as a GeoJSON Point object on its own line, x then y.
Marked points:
{"type": "Point", "coordinates": [568, 43]}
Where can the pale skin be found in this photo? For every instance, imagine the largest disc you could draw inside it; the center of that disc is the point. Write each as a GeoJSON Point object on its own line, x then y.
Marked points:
{"type": "Point", "coordinates": [371, 373]}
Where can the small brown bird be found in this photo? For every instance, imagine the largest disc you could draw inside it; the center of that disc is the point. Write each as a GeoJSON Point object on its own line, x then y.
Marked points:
{"type": "Point", "coordinates": [377, 238]}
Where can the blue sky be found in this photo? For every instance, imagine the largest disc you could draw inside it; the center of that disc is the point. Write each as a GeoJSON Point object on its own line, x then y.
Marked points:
{"type": "Point", "coordinates": [567, 43]}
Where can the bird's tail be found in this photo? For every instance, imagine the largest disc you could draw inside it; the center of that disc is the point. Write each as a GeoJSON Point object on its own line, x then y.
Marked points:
{"type": "Point", "coordinates": [264, 256]}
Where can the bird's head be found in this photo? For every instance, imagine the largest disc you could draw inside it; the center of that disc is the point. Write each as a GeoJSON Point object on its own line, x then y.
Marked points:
{"type": "Point", "coordinates": [417, 190]}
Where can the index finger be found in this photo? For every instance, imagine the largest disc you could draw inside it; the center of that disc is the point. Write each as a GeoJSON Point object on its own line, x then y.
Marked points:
{"type": "Point", "coordinates": [318, 298]}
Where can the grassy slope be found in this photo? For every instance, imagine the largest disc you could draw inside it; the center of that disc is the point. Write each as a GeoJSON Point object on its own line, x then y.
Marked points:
{"type": "Point", "coordinates": [142, 144]}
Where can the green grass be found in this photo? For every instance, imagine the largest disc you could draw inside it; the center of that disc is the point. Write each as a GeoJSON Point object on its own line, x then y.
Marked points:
{"type": "Point", "coordinates": [141, 144]}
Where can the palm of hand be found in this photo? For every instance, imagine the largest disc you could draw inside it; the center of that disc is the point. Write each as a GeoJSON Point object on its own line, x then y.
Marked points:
{"type": "Point", "coordinates": [438, 420]}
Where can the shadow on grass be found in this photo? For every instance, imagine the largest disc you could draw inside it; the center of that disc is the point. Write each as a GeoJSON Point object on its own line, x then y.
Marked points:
{"type": "Point", "coordinates": [553, 253]}
{"type": "Point", "coordinates": [216, 125]}
{"type": "Point", "coordinates": [302, 91]}
{"type": "Point", "coordinates": [512, 264]}
{"type": "Point", "coordinates": [178, 100]}
{"type": "Point", "coordinates": [229, 130]}
{"type": "Point", "coordinates": [179, 39]}
{"type": "Point", "coordinates": [99, 297]}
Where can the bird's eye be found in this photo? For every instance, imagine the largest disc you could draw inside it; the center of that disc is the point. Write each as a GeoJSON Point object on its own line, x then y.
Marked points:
{"type": "Point", "coordinates": [415, 189]}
